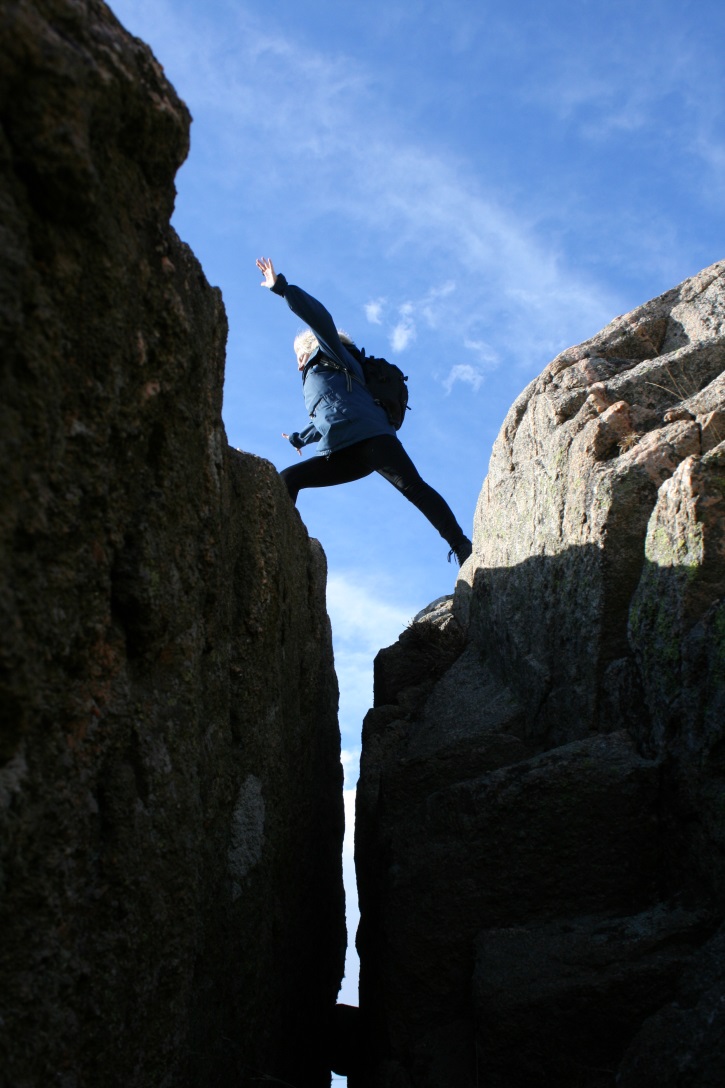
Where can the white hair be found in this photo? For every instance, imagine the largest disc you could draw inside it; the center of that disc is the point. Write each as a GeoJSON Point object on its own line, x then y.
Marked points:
{"type": "Point", "coordinates": [306, 342]}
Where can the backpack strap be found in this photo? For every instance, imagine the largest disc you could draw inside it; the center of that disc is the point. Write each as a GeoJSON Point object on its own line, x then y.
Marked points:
{"type": "Point", "coordinates": [326, 361]}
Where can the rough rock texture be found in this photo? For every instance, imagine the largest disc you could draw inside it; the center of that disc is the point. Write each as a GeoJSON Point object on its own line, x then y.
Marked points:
{"type": "Point", "coordinates": [541, 811]}
{"type": "Point", "coordinates": [171, 907]}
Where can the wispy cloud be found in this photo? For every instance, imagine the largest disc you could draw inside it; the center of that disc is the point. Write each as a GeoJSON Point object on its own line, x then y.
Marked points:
{"type": "Point", "coordinates": [598, 103]}
{"type": "Point", "coordinates": [484, 352]}
{"type": "Point", "coordinates": [360, 617]}
{"type": "Point", "coordinates": [434, 302]}
{"type": "Point", "coordinates": [335, 152]}
{"type": "Point", "coordinates": [326, 123]}
{"type": "Point", "coordinates": [711, 151]}
{"type": "Point", "coordinates": [672, 94]}
{"type": "Point", "coordinates": [431, 309]}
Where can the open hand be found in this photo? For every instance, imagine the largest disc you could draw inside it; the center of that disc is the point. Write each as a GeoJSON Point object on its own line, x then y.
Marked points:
{"type": "Point", "coordinates": [270, 276]}
{"type": "Point", "coordinates": [286, 435]}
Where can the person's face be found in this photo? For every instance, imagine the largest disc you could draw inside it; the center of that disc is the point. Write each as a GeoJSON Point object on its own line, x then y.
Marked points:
{"type": "Point", "coordinates": [302, 357]}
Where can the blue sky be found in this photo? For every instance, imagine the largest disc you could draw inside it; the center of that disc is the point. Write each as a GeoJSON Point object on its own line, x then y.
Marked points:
{"type": "Point", "coordinates": [469, 188]}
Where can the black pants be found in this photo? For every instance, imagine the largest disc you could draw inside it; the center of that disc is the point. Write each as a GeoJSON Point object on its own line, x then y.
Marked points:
{"type": "Point", "coordinates": [383, 454]}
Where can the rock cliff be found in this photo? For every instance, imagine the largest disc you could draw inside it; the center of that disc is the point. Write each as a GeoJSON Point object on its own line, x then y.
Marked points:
{"type": "Point", "coordinates": [171, 906]}
{"type": "Point", "coordinates": [540, 834]}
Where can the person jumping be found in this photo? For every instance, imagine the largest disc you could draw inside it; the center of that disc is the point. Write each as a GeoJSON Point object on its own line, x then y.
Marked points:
{"type": "Point", "coordinates": [353, 433]}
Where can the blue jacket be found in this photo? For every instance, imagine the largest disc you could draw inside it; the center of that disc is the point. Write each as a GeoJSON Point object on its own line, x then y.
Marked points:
{"type": "Point", "coordinates": [340, 408]}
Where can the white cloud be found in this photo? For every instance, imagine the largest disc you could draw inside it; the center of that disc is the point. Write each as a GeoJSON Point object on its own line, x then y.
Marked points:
{"type": "Point", "coordinates": [402, 335]}
{"type": "Point", "coordinates": [350, 759]}
{"type": "Point", "coordinates": [472, 373]}
{"type": "Point", "coordinates": [464, 372]}
{"type": "Point", "coordinates": [362, 623]}
{"type": "Point", "coordinates": [404, 332]}
{"type": "Point", "coordinates": [359, 616]}
{"type": "Point", "coordinates": [374, 310]}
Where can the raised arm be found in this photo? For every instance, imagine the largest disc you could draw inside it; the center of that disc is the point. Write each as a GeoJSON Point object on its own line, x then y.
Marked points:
{"type": "Point", "coordinates": [312, 312]}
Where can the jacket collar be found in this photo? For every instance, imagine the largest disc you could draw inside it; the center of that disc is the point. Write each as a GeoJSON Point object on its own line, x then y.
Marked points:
{"type": "Point", "coordinates": [312, 361]}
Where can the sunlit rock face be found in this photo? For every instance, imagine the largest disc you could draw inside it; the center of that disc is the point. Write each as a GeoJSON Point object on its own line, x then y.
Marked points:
{"type": "Point", "coordinates": [541, 811]}
{"type": "Point", "coordinates": [171, 908]}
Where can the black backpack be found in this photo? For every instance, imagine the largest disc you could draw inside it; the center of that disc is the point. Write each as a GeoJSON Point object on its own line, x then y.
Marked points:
{"type": "Point", "coordinates": [386, 384]}
{"type": "Point", "coordinates": [384, 381]}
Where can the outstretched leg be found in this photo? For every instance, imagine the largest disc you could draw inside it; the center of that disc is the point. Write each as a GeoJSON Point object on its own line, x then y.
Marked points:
{"type": "Point", "coordinates": [339, 468]}
{"type": "Point", "coordinates": [386, 455]}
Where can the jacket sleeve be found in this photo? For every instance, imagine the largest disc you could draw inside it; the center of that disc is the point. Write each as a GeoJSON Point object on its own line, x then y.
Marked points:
{"type": "Point", "coordinates": [314, 314]}
{"type": "Point", "coordinates": [303, 438]}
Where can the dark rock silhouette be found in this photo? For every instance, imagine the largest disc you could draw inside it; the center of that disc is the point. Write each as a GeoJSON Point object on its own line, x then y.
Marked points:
{"type": "Point", "coordinates": [540, 831]}
{"type": "Point", "coordinates": [541, 826]}
{"type": "Point", "coordinates": [348, 1046]}
{"type": "Point", "coordinates": [171, 907]}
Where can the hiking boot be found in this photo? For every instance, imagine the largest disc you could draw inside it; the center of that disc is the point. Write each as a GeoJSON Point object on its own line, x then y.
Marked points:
{"type": "Point", "coordinates": [462, 551]}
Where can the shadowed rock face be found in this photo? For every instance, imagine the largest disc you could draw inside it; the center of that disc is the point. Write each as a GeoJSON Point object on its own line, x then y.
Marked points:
{"type": "Point", "coordinates": [171, 908]}
{"type": "Point", "coordinates": [540, 834]}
